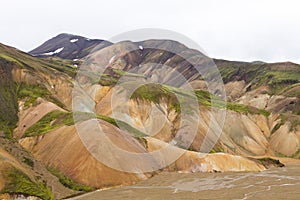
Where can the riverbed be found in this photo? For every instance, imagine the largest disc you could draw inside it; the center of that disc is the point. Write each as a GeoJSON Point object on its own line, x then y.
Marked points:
{"type": "Point", "coordinates": [274, 183]}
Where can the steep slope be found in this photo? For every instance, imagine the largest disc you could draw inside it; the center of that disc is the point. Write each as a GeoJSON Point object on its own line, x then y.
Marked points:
{"type": "Point", "coordinates": [273, 87]}
{"type": "Point", "coordinates": [24, 82]}
{"type": "Point", "coordinates": [8, 97]}
{"type": "Point", "coordinates": [245, 132]}
{"type": "Point", "coordinates": [67, 46]}
{"type": "Point", "coordinates": [63, 149]}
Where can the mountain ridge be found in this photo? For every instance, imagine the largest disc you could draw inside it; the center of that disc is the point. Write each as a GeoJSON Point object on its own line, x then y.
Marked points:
{"type": "Point", "coordinates": [47, 47]}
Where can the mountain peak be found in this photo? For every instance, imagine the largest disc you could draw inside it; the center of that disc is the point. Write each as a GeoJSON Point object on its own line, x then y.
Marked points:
{"type": "Point", "coordinates": [68, 46]}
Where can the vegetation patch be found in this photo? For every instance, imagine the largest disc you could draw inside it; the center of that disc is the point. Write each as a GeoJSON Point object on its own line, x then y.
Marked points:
{"type": "Point", "coordinates": [62, 65]}
{"type": "Point", "coordinates": [217, 149]}
{"type": "Point", "coordinates": [296, 154]}
{"type": "Point", "coordinates": [49, 122]}
{"type": "Point", "coordinates": [278, 154]}
{"type": "Point", "coordinates": [11, 59]}
{"type": "Point", "coordinates": [68, 182]}
{"type": "Point", "coordinates": [106, 80]}
{"type": "Point", "coordinates": [155, 93]}
{"type": "Point", "coordinates": [283, 118]}
{"type": "Point", "coordinates": [56, 119]}
{"type": "Point", "coordinates": [83, 116]}
{"type": "Point", "coordinates": [276, 76]}
{"type": "Point", "coordinates": [269, 162]}
{"type": "Point", "coordinates": [30, 93]}
{"type": "Point", "coordinates": [124, 73]}
{"type": "Point", "coordinates": [20, 183]}
{"type": "Point", "coordinates": [8, 99]}
{"type": "Point", "coordinates": [99, 78]}
{"type": "Point", "coordinates": [135, 132]}
{"type": "Point", "coordinates": [11, 92]}
{"type": "Point", "coordinates": [7, 128]}
{"type": "Point", "coordinates": [295, 93]}
{"type": "Point", "coordinates": [264, 112]}
{"type": "Point", "coordinates": [207, 99]}
{"type": "Point", "coordinates": [28, 162]}
{"type": "Point", "coordinates": [280, 80]}
{"type": "Point", "coordinates": [286, 117]}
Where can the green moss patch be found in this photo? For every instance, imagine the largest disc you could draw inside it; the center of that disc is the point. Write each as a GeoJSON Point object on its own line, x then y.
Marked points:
{"type": "Point", "coordinates": [83, 116]}
{"type": "Point", "coordinates": [11, 59]}
{"type": "Point", "coordinates": [156, 92]}
{"type": "Point", "coordinates": [8, 99]}
{"type": "Point", "coordinates": [30, 93]}
{"type": "Point", "coordinates": [49, 122]}
{"type": "Point", "coordinates": [28, 162]}
{"type": "Point", "coordinates": [56, 119]}
{"type": "Point", "coordinates": [68, 182]}
{"type": "Point", "coordinates": [207, 99]}
{"type": "Point", "coordinates": [20, 183]}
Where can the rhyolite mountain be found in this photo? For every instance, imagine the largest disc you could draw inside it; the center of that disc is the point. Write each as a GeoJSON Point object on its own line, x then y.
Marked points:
{"type": "Point", "coordinates": [42, 155]}
{"type": "Point", "coordinates": [68, 46]}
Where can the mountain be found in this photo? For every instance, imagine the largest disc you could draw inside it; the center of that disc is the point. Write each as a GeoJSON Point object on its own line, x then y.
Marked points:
{"type": "Point", "coordinates": [43, 155]}
{"type": "Point", "coordinates": [68, 46]}
{"type": "Point", "coordinates": [263, 102]}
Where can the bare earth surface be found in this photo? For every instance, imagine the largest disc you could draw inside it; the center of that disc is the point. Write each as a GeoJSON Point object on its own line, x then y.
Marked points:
{"type": "Point", "coordinates": [275, 183]}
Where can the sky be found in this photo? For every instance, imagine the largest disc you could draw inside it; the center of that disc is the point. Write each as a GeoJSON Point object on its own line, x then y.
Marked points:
{"type": "Point", "coordinates": [265, 30]}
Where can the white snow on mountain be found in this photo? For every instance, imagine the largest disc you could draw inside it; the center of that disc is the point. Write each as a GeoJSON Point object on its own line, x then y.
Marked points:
{"type": "Point", "coordinates": [74, 40]}
{"type": "Point", "coordinates": [53, 52]}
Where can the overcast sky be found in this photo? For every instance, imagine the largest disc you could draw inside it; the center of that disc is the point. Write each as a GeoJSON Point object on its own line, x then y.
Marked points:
{"type": "Point", "coordinates": [232, 29]}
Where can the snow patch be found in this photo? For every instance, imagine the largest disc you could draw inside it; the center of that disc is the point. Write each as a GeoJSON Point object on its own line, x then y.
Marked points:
{"type": "Point", "coordinates": [53, 52]}
{"type": "Point", "coordinates": [74, 40]}
{"type": "Point", "coordinates": [141, 47]}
